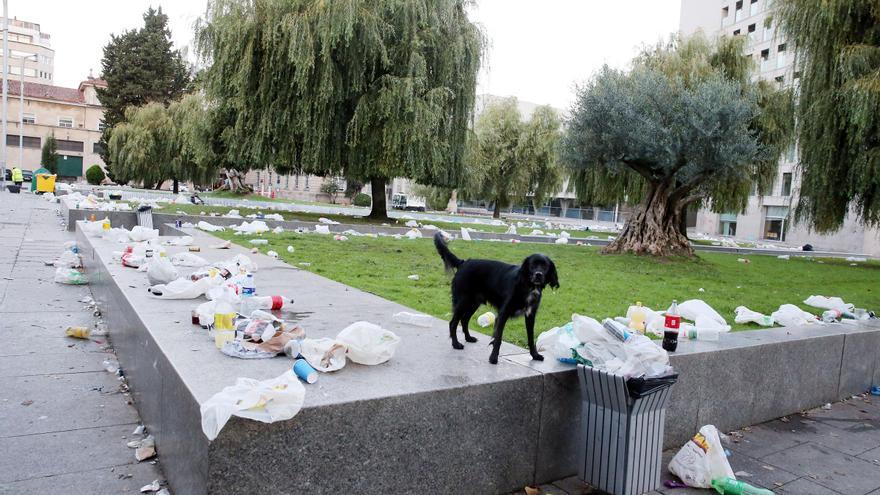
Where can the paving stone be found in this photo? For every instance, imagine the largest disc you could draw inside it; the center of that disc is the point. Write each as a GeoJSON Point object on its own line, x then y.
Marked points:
{"type": "Point", "coordinates": [41, 363]}
{"type": "Point", "coordinates": [830, 468]}
{"type": "Point", "coordinates": [859, 438]}
{"type": "Point", "coordinates": [803, 486]}
{"type": "Point", "coordinates": [70, 451]}
{"type": "Point", "coordinates": [872, 455]}
{"type": "Point", "coordinates": [575, 486]}
{"type": "Point", "coordinates": [103, 481]}
{"type": "Point", "coordinates": [759, 473]}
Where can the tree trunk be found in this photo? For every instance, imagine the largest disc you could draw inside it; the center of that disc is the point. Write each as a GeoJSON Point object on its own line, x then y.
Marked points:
{"type": "Point", "coordinates": [379, 211]}
{"type": "Point", "coordinates": [159, 185]}
{"type": "Point", "coordinates": [496, 213]}
{"type": "Point", "coordinates": [683, 222]}
{"type": "Point", "coordinates": [655, 227]}
{"type": "Point", "coordinates": [175, 186]}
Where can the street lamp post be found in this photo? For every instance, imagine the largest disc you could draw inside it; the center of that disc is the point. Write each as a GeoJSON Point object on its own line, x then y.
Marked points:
{"type": "Point", "coordinates": [21, 111]}
{"type": "Point", "coordinates": [3, 109]}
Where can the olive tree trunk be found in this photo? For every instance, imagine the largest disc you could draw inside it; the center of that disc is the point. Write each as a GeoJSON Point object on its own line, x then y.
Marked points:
{"type": "Point", "coordinates": [496, 213]}
{"type": "Point", "coordinates": [176, 186]}
{"type": "Point", "coordinates": [655, 227]}
{"type": "Point", "coordinates": [379, 210]}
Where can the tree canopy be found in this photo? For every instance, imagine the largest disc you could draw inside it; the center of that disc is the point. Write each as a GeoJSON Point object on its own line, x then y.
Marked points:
{"type": "Point", "coordinates": [49, 154]}
{"type": "Point", "coordinates": [838, 129]}
{"type": "Point", "coordinates": [685, 126]}
{"type": "Point", "coordinates": [157, 143]}
{"type": "Point", "coordinates": [368, 89]}
{"type": "Point", "coordinates": [140, 66]}
{"type": "Point", "coordinates": [511, 159]}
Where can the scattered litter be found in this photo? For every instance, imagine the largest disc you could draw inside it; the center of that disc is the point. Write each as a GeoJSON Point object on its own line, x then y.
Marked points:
{"type": "Point", "coordinates": [161, 271]}
{"type": "Point", "coordinates": [827, 406]}
{"type": "Point", "coordinates": [486, 319]}
{"type": "Point", "coordinates": [305, 264]}
{"type": "Point", "coordinates": [208, 227]}
{"type": "Point", "coordinates": [27, 402]}
{"type": "Point", "coordinates": [152, 487]}
{"type": "Point", "coordinates": [267, 401]}
{"type": "Point", "coordinates": [413, 234]}
{"type": "Point", "coordinates": [701, 459]}
{"type": "Point", "coordinates": [278, 230]}
{"type": "Point", "coordinates": [701, 290]}
{"type": "Point", "coordinates": [255, 227]}
{"type": "Point", "coordinates": [139, 430]}
{"type": "Point", "coordinates": [179, 241]}
{"type": "Point", "coordinates": [188, 259]}
{"type": "Point", "coordinates": [70, 276]}
{"type": "Point", "coordinates": [145, 449]}
{"type": "Point", "coordinates": [412, 223]}
{"type": "Point", "coordinates": [368, 343]}
{"type": "Point", "coordinates": [273, 254]}
{"type": "Point", "coordinates": [413, 277]}
{"type": "Point", "coordinates": [110, 365]}
{"type": "Point", "coordinates": [746, 315]}
{"type": "Point", "coordinates": [414, 319]}
{"type": "Point", "coordinates": [78, 332]}
{"type": "Point", "coordinates": [259, 242]}
{"type": "Point", "coordinates": [139, 234]}
{"type": "Point", "coordinates": [789, 315]}
{"type": "Point", "coordinates": [322, 229]}
{"type": "Point", "coordinates": [327, 221]}
{"type": "Point", "coordinates": [222, 245]}
{"type": "Point", "coordinates": [561, 240]}
{"type": "Point", "coordinates": [323, 354]}
{"type": "Point", "coordinates": [465, 235]}
{"type": "Point", "coordinates": [182, 288]}
{"type": "Point", "coordinates": [511, 230]}
{"type": "Point", "coordinates": [340, 238]}
{"type": "Point", "coordinates": [290, 249]}
{"type": "Point", "coordinates": [784, 256]}
{"type": "Point", "coordinates": [858, 259]}
{"type": "Point", "coordinates": [743, 260]}
{"type": "Point", "coordinates": [834, 303]}
{"type": "Point", "coordinates": [255, 250]}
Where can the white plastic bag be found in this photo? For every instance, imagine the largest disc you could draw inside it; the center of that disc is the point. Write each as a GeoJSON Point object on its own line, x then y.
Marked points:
{"type": "Point", "coordinates": [266, 401]}
{"type": "Point", "coordinates": [70, 276]}
{"type": "Point", "coordinates": [323, 354]}
{"type": "Point", "coordinates": [558, 341]}
{"type": "Point", "coordinates": [322, 229]}
{"type": "Point", "coordinates": [701, 460]}
{"type": "Point", "coordinates": [207, 227]}
{"type": "Point", "coordinates": [465, 235]}
{"type": "Point", "coordinates": [746, 315]}
{"type": "Point", "coordinates": [368, 343]}
{"type": "Point", "coordinates": [694, 308]}
{"type": "Point", "coordinates": [184, 240]}
{"type": "Point", "coordinates": [68, 259]}
{"type": "Point", "coordinates": [789, 315]}
{"type": "Point", "coordinates": [139, 234]}
{"type": "Point", "coordinates": [182, 288]}
{"type": "Point", "coordinates": [116, 235]}
{"type": "Point", "coordinates": [161, 271]}
{"type": "Point", "coordinates": [834, 303]}
{"type": "Point", "coordinates": [255, 227]}
{"type": "Point", "coordinates": [188, 259]}
{"type": "Point", "coordinates": [92, 229]}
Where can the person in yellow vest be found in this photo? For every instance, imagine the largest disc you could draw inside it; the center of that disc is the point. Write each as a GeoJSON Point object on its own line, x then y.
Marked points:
{"type": "Point", "coordinates": [17, 177]}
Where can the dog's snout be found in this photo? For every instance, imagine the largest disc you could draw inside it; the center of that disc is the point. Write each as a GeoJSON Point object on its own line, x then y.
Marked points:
{"type": "Point", "coordinates": [538, 277]}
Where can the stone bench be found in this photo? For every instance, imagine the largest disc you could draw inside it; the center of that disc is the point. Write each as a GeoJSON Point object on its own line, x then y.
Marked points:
{"type": "Point", "coordinates": [432, 419]}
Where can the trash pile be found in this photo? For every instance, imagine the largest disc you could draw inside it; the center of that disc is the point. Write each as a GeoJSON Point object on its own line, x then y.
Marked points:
{"type": "Point", "coordinates": [68, 266]}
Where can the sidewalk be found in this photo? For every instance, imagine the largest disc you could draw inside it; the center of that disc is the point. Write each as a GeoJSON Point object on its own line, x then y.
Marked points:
{"type": "Point", "coordinates": [64, 422]}
{"type": "Point", "coordinates": [832, 451]}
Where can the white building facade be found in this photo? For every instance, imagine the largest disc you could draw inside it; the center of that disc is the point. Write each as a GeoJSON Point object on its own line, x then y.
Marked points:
{"type": "Point", "coordinates": [32, 47]}
{"type": "Point", "coordinates": [767, 218]}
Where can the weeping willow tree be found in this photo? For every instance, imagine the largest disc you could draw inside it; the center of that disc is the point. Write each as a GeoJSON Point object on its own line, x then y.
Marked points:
{"type": "Point", "coordinates": [368, 89]}
{"type": "Point", "coordinates": [158, 143]}
{"type": "Point", "coordinates": [686, 126]}
{"type": "Point", "coordinates": [838, 128]}
{"type": "Point", "coordinates": [511, 159]}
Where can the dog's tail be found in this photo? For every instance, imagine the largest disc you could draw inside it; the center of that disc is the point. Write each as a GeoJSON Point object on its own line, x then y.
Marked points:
{"type": "Point", "coordinates": [450, 260]}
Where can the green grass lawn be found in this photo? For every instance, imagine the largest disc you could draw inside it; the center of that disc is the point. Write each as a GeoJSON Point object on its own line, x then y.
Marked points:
{"type": "Point", "coordinates": [592, 284]}
{"type": "Point", "coordinates": [255, 197]}
{"type": "Point", "coordinates": [190, 209]}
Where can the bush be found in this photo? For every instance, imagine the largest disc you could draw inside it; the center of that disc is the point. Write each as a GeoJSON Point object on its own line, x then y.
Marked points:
{"type": "Point", "coordinates": [362, 200]}
{"type": "Point", "coordinates": [94, 175]}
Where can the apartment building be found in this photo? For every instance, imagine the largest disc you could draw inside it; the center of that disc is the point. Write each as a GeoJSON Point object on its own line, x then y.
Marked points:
{"type": "Point", "coordinates": [73, 115]}
{"type": "Point", "coordinates": [768, 217]}
{"type": "Point", "coordinates": [31, 47]}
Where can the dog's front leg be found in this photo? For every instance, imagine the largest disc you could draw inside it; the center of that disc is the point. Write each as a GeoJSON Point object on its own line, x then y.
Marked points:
{"type": "Point", "coordinates": [496, 335]}
{"type": "Point", "coordinates": [530, 332]}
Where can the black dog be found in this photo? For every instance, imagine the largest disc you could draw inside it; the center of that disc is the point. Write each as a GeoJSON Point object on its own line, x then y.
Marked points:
{"type": "Point", "coordinates": [513, 290]}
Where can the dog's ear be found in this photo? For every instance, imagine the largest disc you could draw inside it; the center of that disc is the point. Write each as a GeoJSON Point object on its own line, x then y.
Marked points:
{"type": "Point", "coordinates": [552, 277]}
{"type": "Point", "coordinates": [525, 272]}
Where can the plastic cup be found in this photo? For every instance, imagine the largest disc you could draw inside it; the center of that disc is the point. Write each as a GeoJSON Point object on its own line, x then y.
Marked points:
{"type": "Point", "coordinates": [304, 371]}
{"type": "Point", "coordinates": [224, 321]}
{"type": "Point", "coordinates": [221, 337]}
{"type": "Point", "coordinates": [670, 340]}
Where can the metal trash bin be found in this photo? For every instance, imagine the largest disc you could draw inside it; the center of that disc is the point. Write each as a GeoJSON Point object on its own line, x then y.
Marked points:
{"type": "Point", "coordinates": [621, 441]}
{"type": "Point", "coordinates": [145, 216]}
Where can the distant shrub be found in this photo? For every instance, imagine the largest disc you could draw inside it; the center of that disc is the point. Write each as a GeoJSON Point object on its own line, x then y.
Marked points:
{"type": "Point", "coordinates": [362, 200]}
{"type": "Point", "coordinates": [94, 175]}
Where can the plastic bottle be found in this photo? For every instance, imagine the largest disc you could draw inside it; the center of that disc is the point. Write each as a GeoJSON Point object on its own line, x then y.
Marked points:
{"type": "Point", "coordinates": [248, 286]}
{"type": "Point", "coordinates": [831, 316]}
{"type": "Point", "coordinates": [730, 486]}
{"type": "Point", "coordinates": [706, 334]}
{"type": "Point", "coordinates": [617, 330]}
{"type": "Point", "coordinates": [486, 319]}
{"type": "Point", "coordinates": [224, 327]}
{"type": "Point", "coordinates": [105, 225]}
{"type": "Point", "coordinates": [671, 326]}
{"type": "Point", "coordinates": [637, 318]}
{"type": "Point", "coordinates": [412, 319]}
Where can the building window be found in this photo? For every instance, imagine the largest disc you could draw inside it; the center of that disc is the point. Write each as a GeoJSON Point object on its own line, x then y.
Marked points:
{"type": "Point", "coordinates": [780, 80]}
{"type": "Point", "coordinates": [791, 154]}
{"type": "Point", "coordinates": [28, 118]}
{"type": "Point", "coordinates": [768, 29]}
{"type": "Point", "coordinates": [753, 35]}
{"type": "Point", "coordinates": [65, 122]}
{"type": "Point", "coordinates": [101, 126]}
{"type": "Point", "coordinates": [753, 8]}
{"type": "Point", "coordinates": [780, 56]}
{"type": "Point", "coordinates": [727, 224]}
{"type": "Point", "coordinates": [737, 32]}
{"type": "Point", "coordinates": [725, 11]}
{"type": "Point", "coordinates": [66, 145]}
{"type": "Point", "coordinates": [739, 11]}
{"type": "Point", "coordinates": [765, 59]}
{"type": "Point", "coordinates": [97, 148]}
{"type": "Point", "coordinates": [786, 184]}
{"type": "Point", "coordinates": [26, 142]}
{"type": "Point", "coordinates": [774, 222]}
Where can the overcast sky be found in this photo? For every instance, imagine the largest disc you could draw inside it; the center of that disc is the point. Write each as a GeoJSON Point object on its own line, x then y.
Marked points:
{"type": "Point", "coordinates": [539, 49]}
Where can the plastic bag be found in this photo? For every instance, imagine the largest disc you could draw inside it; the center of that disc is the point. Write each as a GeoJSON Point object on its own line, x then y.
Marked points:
{"type": "Point", "coordinates": [140, 234]}
{"type": "Point", "coordinates": [207, 227]}
{"type": "Point", "coordinates": [266, 401]}
{"type": "Point", "coordinates": [70, 276]}
{"type": "Point", "coordinates": [465, 235]}
{"type": "Point", "coordinates": [746, 315]}
{"type": "Point", "coordinates": [68, 259]}
{"type": "Point", "coordinates": [701, 460]}
{"type": "Point", "coordinates": [323, 354]}
{"type": "Point", "coordinates": [180, 241]}
{"type": "Point", "coordinates": [255, 227]}
{"type": "Point", "coordinates": [92, 229]}
{"type": "Point", "coordinates": [161, 271]}
{"type": "Point", "coordinates": [182, 288]}
{"type": "Point", "coordinates": [322, 229]}
{"type": "Point", "coordinates": [789, 315]}
{"type": "Point", "coordinates": [116, 235]}
{"type": "Point", "coordinates": [834, 303]}
{"type": "Point", "coordinates": [694, 308]}
{"type": "Point", "coordinates": [188, 259]}
{"type": "Point", "coordinates": [368, 343]}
